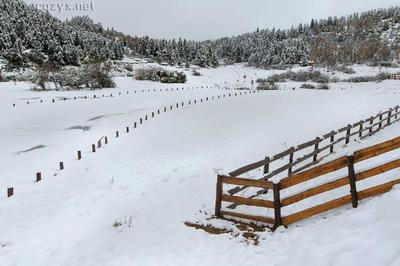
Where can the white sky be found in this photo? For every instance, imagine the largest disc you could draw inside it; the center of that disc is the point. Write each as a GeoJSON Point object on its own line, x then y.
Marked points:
{"type": "Point", "coordinates": [208, 19]}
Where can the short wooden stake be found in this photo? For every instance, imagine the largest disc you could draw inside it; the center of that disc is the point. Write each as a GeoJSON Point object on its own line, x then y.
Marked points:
{"type": "Point", "coordinates": [105, 140]}
{"type": "Point", "coordinates": [93, 148]}
{"type": "Point", "coordinates": [79, 155]}
{"type": "Point", "coordinates": [10, 192]}
{"type": "Point", "coordinates": [116, 134]}
{"type": "Point", "coordinates": [38, 177]}
{"type": "Point", "coordinates": [134, 125]}
{"type": "Point", "coordinates": [61, 166]}
{"type": "Point", "coordinates": [141, 121]}
{"type": "Point", "coordinates": [127, 129]}
{"type": "Point", "coordinates": [152, 114]}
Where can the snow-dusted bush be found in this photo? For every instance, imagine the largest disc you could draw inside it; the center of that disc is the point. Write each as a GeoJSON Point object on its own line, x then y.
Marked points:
{"type": "Point", "coordinates": [196, 73]}
{"type": "Point", "coordinates": [323, 86]}
{"type": "Point", "coordinates": [300, 76]}
{"type": "Point", "coordinates": [92, 76]}
{"type": "Point", "coordinates": [344, 69]}
{"type": "Point", "coordinates": [265, 84]}
{"type": "Point", "coordinates": [160, 74]}
{"type": "Point", "coordinates": [307, 86]}
{"type": "Point", "coordinates": [380, 77]}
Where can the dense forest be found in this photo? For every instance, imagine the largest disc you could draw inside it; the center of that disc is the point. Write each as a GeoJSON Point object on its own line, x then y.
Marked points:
{"type": "Point", "coordinates": [31, 36]}
{"type": "Point", "coordinates": [28, 35]}
{"type": "Point", "coordinates": [369, 37]}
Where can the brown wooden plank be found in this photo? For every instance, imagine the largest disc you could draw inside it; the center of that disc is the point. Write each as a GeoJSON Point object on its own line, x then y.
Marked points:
{"type": "Point", "coordinates": [315, 191]}
{"type": "Point", "coordinates": [279, 170]}
{"type": "Point", "coordinates": [314, 172]}
{"type": "Point", "coordinates": [304, 167]}
{"type": "Point", "coordinates": [376, 150]}
{"type": "Point", "coordinates": [248, 168]}
{"type": "Point", "coordinates": [378, 170]}
{"type": "Point", "coordinates": [330, 134]}
{"type": "Point", "coordinates": [281, 155]}
{"type": "Point", "coordinates": [306, 144]}
{"type": "Point", "coordinates": [256, 218]}
{"type": "Point", "coordinates": [377, 190]}
{"type": "Point", "coordinates": [249, 202]}
{"type": "Point", "coordinates": [333, 204]}
{"type": "Point", "coordinates": [247, 182]}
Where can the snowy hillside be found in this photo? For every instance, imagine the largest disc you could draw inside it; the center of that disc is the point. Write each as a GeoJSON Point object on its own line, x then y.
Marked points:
{"type": "Point", "coordinates": [127, 203]}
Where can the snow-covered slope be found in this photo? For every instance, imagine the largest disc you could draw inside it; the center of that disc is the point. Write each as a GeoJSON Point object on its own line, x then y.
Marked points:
{"type": "Point", "coordinates": [162, 174]}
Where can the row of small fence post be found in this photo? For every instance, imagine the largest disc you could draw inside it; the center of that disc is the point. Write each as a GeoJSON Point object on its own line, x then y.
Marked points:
{"type": "Point", "coordinates": [111, 95]}
{"type": "Point", "coordinates": [10, 191]}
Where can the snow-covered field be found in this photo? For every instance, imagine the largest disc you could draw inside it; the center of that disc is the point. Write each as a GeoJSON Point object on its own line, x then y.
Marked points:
{"type": "Point", "coordinates": [163, 173]}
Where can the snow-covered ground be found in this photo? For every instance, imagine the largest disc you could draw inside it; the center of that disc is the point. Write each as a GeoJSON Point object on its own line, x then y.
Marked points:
{"type": "Point", "coordinates": [163, 173]}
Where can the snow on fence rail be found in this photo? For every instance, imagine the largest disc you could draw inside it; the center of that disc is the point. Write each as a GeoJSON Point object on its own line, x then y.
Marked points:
{"type": "Point", "coordinates": [10, 190]}
{"type": "Point", "coordinates": [320, 148]}
{"type": "Point", "coordinates": [299, 179]}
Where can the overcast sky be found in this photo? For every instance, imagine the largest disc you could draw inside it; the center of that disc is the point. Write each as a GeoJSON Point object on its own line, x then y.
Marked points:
{"type": "Point", "coordinates": [206, 19]}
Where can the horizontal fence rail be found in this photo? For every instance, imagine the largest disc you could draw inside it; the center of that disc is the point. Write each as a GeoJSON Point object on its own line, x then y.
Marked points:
{"type": "Point", "coordinates": [351, 179]}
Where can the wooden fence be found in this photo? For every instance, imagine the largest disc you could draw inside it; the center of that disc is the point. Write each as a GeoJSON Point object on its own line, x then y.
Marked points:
{"type": "Point", "coordinates": [313, 151]}
{"type": "Point", "coordinates": [299, 179]}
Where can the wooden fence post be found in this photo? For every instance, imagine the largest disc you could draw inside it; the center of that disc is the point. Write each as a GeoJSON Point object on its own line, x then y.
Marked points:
{"type": "Point", "coordinates": [361, 129]}
{"type": "Point", "coordinates": [10, 192]}
{"type": "Point", "coordinates": [218, 198]}
{"type": "Point", "coordinates": [277, 206]}
{"type": "Point", "coordinates": [316, 149]}
{"type": "Point", "coordinates": [127, 129]}
{"type": "Point", "coordinates": [371, 122]}
{"type": "Point", "coordinates": [93, 148]}
{"type": "Point", "coordinates": [38, 176]}
{"type": "Point", "coordinates": [332, 141]}
{"type": "Point", "coordinates": [348, 132]}
{"type": "Point", "coordinates": [380, 121]}
{"type": "Point", "coordinates": [266, 166]}
{"type": "Point", "coordinates": [352, 181]}
{"type": "Point", "coordinates": [116, 134]}
{"type": "Point", "coordinates": [396, 112]}
{"type": "Point", "coordinates": [291, 155]}
{"type": "Point", "coordinates": [61, 166]}
{"type": "Point", "coordinates": [389, 116]}
{"type": "Point", "coordinates": [105, 140]}
{"type": "Point", "coordinates": [79, 155]}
